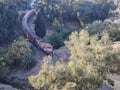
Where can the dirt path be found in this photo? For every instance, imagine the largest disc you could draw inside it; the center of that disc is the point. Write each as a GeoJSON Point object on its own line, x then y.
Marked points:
{"type": "Point", "coordinates": [7, 87]}
{"type": "Point", "coordinates": [116, 79]}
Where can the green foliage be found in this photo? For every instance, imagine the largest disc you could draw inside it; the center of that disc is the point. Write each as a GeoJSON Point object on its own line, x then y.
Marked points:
{"type": "Point", "coordinates": [4, 73]}
{"type": "Point", "coordinates": [87, 68]}
{"type": "Point", "coordinates": [70, 86]}
{"type": "Point", "coordinates": [56, 40]}
{"type": "Point", "coordinates": [66, 10]}
{"type": "Point", "coordinates": [40, 28]}
{"type": "Point", "coordinates": [114, 34]}
{"type": "Point", "coordinates": [56, 23]}
{"type": "Point", "coordinates": [18, 55]}
{"type": "Point", "coordinates": [18, 4]}
{"type": "Point", "coordinates": [58, 37]}
{"type": "Point", "coordinates": [95, 27]}
{"type": "Point", "coordinates": [2, 62]}
{"type": "Point", "coordinates": [4, 69]}
{"type": "Point", "coordinates": [19, 52]}
{"type": "Point", "coordinates": [64, 31]}
{"type": "Point", "coordinates": [109, 25]}
{"type": "Point", "coordinates": [8, 22]}
{"type": "Point", "coordinates": [28, 62]}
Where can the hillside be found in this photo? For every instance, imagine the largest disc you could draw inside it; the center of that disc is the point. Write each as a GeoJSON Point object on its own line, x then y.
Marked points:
{"type": "Point", "coordinates": [59, 44]}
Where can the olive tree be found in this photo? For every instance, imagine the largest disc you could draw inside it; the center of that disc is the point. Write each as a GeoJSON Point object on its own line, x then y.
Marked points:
{"type": "Point", "coordinates": [88, 66]}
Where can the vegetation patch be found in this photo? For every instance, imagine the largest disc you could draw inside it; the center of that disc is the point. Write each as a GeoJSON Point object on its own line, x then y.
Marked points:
{"type": "Point", "coordinates": [86, 69]}
{"type": "Point", "coordinates": [59, 36]}
{"type": "Point", "coordinates": [8, 22]}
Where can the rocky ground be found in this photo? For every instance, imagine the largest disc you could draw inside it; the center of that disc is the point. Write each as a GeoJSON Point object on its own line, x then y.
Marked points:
{"type": "Point", "coordinates": [116, 79]}
{"type": "Point", "coordinates": [7, 87]}
{"type": "Point", "coordinates": [20, 78]}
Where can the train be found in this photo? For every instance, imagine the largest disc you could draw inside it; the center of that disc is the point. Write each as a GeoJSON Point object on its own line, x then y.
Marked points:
{"type": "Point", "coordinates": [32, 37]}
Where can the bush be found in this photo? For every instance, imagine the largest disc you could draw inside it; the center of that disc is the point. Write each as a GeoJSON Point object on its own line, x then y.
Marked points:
{"type": "Point", "coordinates": [18, 51]}
{"type": "Point", "coordinates": [114, 34]}
{"type": "Point", "coordinates": [57, 38]}
{"type": "Point", "coordinates": [56, 24]}
{"type": "Point", "coordinates": [95, 27]}
{"type": "Point", "coordinates": [64, 31]}
{"type": "Point", "coordinates": [2, 62]}
{"type": "Point", "coordinates": [4, 69]}
{"type": "Point", "coordinates": [87, 68]}
{"type": "Point", "coordinates": [28, 62]}
{"type": "Point", "coordinates": [4, 73]}
{"type": "Point", "coordinates": [109, 25]}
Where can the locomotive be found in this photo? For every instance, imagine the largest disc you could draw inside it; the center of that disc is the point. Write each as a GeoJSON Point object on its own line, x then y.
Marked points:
{"type": "Point", "coordinates": [32, 37]}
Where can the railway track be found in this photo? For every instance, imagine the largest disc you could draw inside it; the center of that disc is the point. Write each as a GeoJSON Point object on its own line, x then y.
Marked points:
{"type": "Point", "coordinates": [27, 21]}
{"type": "Point", "coordinates": [31, 36]}
{"type": "Point", "coordinates": [36, 50]}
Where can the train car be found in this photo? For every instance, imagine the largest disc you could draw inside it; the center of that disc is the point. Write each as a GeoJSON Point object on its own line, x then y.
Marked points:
{"type": "Point", "coordinates": [46, 47]}
{"type": "Point", "coordinates": [40, 43]}
{"type": "Point", "coordinates": [25, 20]}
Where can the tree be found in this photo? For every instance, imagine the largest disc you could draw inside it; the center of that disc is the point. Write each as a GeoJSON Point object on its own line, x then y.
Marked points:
{"type": "Point", "coordinates": [8, 22]}
{"type": "Point", "coordinates": [40, 28]}
{"type": "Point", "coordinates": [89, 65]}
{"type": "Point", "coordinates": [66, 10]}
{"type": "Point", "coordinates": [19, 4]}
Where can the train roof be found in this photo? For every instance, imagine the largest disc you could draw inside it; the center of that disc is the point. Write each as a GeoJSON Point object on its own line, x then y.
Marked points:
{"type": "Point", "coordinates": [25, 21]}
{"type": "Point", "coordinates": [33, 35]}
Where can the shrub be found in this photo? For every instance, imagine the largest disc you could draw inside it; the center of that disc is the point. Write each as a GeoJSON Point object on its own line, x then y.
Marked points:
{"type": "Point", "coordinates": [109, 25]}
{"type": "Point", "coordinates": [87, 68]}
{"type": "Point", "coordinates": [28, 62]}
{"type": "Point", "coordinates": [95, 27]}
{"type": "Point", "coordinates": [57, 38]}
{"type": "Point", "coordinates": [114, 34]}
{"type": "Point", "coordinates": [2, 62]}
{"type": "Point", "coordinates": [56, 24]}
{"type": "Point", "coordinates": [64, 31]}
{"type": "Point", "coordinates": [4, 73]}
{"type": "Point", "coordinates": [4, 69]}
{"type": "Point", "coordinates": [18, 51]}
